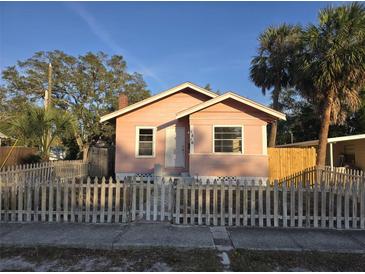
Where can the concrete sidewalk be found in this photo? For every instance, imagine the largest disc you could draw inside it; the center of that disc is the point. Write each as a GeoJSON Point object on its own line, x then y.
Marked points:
{"type": "Point", "coordinates": [138, 235]}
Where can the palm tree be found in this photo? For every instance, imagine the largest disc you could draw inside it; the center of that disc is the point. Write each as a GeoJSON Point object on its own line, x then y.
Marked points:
{"type": "Point", "coordinates": [331, 71]}
{"type": "Point", "coordinates": [271, 69]}
{"type": "Point", "coordinates": [35, 126]}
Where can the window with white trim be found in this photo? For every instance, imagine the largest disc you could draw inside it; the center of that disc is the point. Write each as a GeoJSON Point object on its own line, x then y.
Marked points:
{"type": "Point", "coordinates": [228, 139]}
{"type": "Point", "coordinates": [145, 144]}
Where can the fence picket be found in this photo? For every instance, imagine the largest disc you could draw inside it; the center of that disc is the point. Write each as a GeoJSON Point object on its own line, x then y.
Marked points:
{"type": "Point", "coordinates": [245, 203]}
{"type": "Point", "coordinates": [162, 206]}
{"type": "Point", "coordinates": [362, 205]}
{"type": "Point", "coordinates": [346, 205]}
{"type": "Point", "coordinates": [134, 200]}
{"type": "Point", "coordinates": [300, 204]}
{"type": "Point", "coordinates": [50, 200]}
{"type": "Point", "coordinates": [155, 197]}
{"type": "Point", "coordinates": [95, 200]}
{"type": "Point", "coordinates": [73, 199]}
{"type": "Point", "coordinates": [331, 205]}
{"type": "Point", "coordinates": [315, 205]}
{"type": "Point", "coordinates": [207, 203]}
{"type": "Point", "coordinates": [339, 206]}
{"type": "Point", "coordinates": [200, 202]}
{"type": "Point", "coordinates": [222, 204]}
{"type": "Point", "coordinates": [87, 202]}
{"type": "Point", "coordinates": [307, 204]}
{"type": "Point", "coordinates": [177, 216]}
{"type": "Point", "coordinates": [102, 200]}
{"type": "Point", "coordinates": [125, 209]}
{"type": "Point", "coordinates": [215, 203]}
{"type": "Point", "coordinates": [192, 203]}
{"type": "Point", "coordinates": [110, 201]}
{"type": "Point", "coordinates": [285, 204]}
{"type": "Point", "coordinates": [354, 205]}
{"type": "Point", "coordinates": [36, 205]}
{"type": "Point", "coordinates": [230, 209]}
{"type": "Point", "coordinates": [260, 200]}
{"type": "Point", "coordinates": [170, 201]}
{"type": "Point", "coordinates": [58, 201]}
{"type": "Point", "coordinates": [185, 203]}
{"type": "Point", "coordinates": [252, 204]}
{"type": "Point", "coordinates": [117, 199]}
{"type": "Point", "coordinates": [276, 204]}
{"type": "Point", "coordinates": [292, 204]}
{"type": "Point", "coordinates": [238, 203]}
{"type": "Point", "coordinates": [268, 207]}
{"type": "Point", "coordinates": [148, 200]}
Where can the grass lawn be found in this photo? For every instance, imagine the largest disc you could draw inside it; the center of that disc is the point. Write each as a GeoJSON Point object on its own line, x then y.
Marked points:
{"type": "Point", "coordinates": [244, 260]}
{"type": "Point", "coordinates": [161, 259]}
{"type": "Point", "coordinates": [154, 259]}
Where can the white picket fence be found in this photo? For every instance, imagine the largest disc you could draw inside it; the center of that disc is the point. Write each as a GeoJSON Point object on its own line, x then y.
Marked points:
{"type": "Point", "coordinates": [231, 203]}
{"type": "Point", "coordinates": [44, 172]}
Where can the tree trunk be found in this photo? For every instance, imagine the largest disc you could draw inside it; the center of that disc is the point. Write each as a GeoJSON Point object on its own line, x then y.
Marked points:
{"type": "Point", "coordinates": [274, 125]}
{"type": "Point", "coordinates": [85, 152]}
{"type": "Point", "coordinates": [323, 132]}
{"type": "Point", "coordinates": [272, 138]}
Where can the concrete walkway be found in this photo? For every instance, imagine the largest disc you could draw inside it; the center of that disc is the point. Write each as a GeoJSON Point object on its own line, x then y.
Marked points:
{"type": "Point", "coordinates": [107, 236]}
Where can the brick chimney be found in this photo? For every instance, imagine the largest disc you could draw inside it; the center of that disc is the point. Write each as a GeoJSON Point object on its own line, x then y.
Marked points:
{"type": "Point", "coordinates": [122, 101]}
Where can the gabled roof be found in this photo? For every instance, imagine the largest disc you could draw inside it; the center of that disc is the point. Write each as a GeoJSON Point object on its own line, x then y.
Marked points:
{"type": "Point", "coordinates": [329, 140]}
{"type": "Point", "coordinates": [157, 97]}
{"type": "Point", "coordinates": [233, 96]}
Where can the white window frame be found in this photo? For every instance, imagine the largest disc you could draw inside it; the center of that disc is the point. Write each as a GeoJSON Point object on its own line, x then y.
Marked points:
{"type": "Point", "coordinates": [153, 142]}
{"type": "Point", "coordinates": [228, 153]}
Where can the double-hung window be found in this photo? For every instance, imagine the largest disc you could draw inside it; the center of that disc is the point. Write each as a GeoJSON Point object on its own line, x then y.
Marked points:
{"type": "Point", "coordinates": [228, 139]}
{"type": "Point", "coordinates": [145, 141]}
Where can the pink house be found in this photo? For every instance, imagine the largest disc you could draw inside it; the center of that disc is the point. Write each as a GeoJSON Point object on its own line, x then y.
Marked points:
{"type": "Point", "coordinates": [190, 131]}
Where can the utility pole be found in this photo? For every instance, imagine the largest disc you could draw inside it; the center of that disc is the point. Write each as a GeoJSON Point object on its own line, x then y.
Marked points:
{"type": "Point", "coordinates": [48, 92]}
{"type": "Point", "coordinates": [47, 105]}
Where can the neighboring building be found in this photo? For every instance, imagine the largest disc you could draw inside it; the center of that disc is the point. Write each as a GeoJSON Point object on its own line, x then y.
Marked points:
{"type": "Point", "coordinates": [190, 131]}
{"type": "Point", "coordinates": [3, 139]}
{"type": "Point", "coordinates": [344, 151]}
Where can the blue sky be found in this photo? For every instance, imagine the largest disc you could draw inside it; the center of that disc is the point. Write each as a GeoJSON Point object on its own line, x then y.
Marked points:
{"type": "Point", "coordinates": [168, 42]}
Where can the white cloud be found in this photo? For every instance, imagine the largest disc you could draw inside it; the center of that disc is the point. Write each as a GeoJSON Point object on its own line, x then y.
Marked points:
{"type": "Point", "coordinates": [106, 38]}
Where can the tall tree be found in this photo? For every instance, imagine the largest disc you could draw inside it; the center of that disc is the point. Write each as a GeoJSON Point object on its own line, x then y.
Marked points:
{"type": "Point", "coordinates": [86, 86]}
{"type": "Point", "coordinates": [272, 68]}
{"type": "Point", "coordinates": [331, 71]}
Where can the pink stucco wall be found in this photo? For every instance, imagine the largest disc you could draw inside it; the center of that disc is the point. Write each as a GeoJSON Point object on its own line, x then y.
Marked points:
{"type": "Point", "coordinates": [252, 163]}
{"type": "Point", "coordinates": [160, 114]}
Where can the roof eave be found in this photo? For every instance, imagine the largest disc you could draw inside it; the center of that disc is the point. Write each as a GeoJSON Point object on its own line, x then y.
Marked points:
{"type": "Point", "coordinates": [157, 97]}
{"type": "Point", "coordinates": [233, 96]}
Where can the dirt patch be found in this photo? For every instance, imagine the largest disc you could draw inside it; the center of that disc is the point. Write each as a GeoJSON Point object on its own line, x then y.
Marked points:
{"type": "Point", "coordinates": [243, 260]}
{"type": "Point", "coordinates": [154, 259]}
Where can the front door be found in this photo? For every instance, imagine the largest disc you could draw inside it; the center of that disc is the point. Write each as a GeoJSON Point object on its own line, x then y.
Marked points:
{"type": "Point", "coordinates": [175, 147]}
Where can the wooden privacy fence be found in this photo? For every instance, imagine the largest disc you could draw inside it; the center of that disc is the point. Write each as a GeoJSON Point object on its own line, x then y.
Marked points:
{"type": "Point", "coordinates": [285, 162]}
{"type": "Point", "coordinates": [16, 156]}
{"type": "Point", "coordinates": [44, 172]}
{"type": "Point", "coordinates": [232, 203]}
